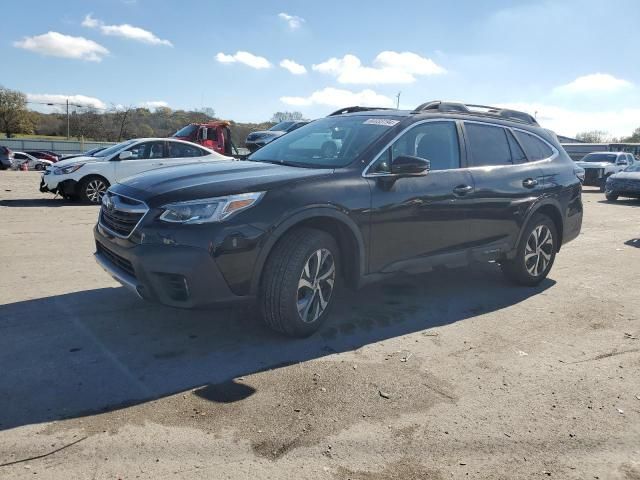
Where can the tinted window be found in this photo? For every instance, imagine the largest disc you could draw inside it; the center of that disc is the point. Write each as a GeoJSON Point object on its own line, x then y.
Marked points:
{"type": "Point", "coordinates": [517, 155]}
{"type": "Point", "coordinates": [433, 141]}
{"type": "Point", "coordinates": [600, 157]}
{"type": "Point", "coordinates": [535, 148]}
{"type": "Point", "coordinates": [20, 156]}
{"type": "Point", "coordinates": [212, 134]}
{"type": "Point", "coordinates": [147, 150]}
{"type": "Point", "coordinates": [186, 131]}
{"type": "Point", "coordinates": [488, 144]}
{"type": "Point", "coordinates": [183, 150]}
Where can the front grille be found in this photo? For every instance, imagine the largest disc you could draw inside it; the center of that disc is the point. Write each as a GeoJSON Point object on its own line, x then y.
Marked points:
{"type": "Point", "coordinates": [592, 174]}
{"type": "Point", "coordinates": [120, 214]}
{"type": "Point", "coordinates": [116, 259]}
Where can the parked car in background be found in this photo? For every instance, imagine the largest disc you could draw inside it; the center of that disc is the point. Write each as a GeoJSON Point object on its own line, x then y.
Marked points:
{"type": "Point", "coordinates": [6, 158]}
{"type": "Point", "coordinates": [599, 166]}
{"type": "Point", "coordinates": [399, 191]}
{"type": "Point", "coordinates": [44, 155]}
{"type": "Point", "coordinates": [624, 184]}
{"type": "Point", "coordinates": [33, 163]}
{"type": "Point", "coordinates": [88, 177]}
{"type": "Point", "coordinates": [88, 153]}
{"type": "Point", "coordinates": [256, 140]}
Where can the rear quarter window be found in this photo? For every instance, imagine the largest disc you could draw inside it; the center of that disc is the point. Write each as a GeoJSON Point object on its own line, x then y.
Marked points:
{"type": "Point", "coordinates": [535, 148]}
{"type": "Point", "coordinates": [488, 144]}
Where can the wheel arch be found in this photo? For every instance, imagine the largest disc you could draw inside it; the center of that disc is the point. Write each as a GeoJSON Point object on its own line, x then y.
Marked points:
{"type": "Point", "coordinates": [550, 208]}
{"type": "Point", "coordinates": [331, 220]}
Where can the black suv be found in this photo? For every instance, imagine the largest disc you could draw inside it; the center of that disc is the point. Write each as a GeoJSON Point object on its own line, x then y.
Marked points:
{"type": "Point", "coordinates": [347, 199]}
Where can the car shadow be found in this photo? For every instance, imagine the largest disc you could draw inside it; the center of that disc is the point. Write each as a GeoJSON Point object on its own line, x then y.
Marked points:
{"type": "Point", "coordinates": [623, 202]}
{"type": "Point", "coordinates": [92, 351]}
{"type": "Point", "coordinates": [41, 202]}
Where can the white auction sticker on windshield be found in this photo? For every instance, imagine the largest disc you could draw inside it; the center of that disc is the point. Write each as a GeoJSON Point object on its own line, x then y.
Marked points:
{"type": "Point", "coordinates": [385, 122]}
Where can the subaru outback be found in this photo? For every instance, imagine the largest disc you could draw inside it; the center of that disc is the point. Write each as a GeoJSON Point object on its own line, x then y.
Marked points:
{"type": "Point", "coordinates": [383, 191]}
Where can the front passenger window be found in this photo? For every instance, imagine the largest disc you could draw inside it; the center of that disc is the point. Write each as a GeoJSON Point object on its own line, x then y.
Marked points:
{"type": "Point", "coordinates": [433, 141]}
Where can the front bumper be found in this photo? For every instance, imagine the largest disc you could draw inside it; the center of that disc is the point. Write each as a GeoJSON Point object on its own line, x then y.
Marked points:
{"type": "Point", "coordinates": [66, 187]}
{"type": "Point", "coordinates": [177, 276]}
{"type": "Point", "coordinates": [623, 188]}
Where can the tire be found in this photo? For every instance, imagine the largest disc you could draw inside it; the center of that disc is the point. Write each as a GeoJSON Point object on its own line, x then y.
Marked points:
{"type": "Point", "coordinates": [531, 264]}
{"type": "Point", "coordinates": [92, 188]}
{"type": "Point", "coordinates": [611, 197]}
{"type": "Point", "coordinates": [603, 184]}
{"type": "Point", "coordinates": [303, 266]}
{"type": "Point", "coordinates": [38, 166]}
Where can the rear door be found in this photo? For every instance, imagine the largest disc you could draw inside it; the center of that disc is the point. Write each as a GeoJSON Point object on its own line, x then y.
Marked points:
{"type": "Point", "coordinates": [183, 153]}
{"type": "Point", "coordinates": [506, 185]}
{"type": "Point", "coordinates": [145, 156]}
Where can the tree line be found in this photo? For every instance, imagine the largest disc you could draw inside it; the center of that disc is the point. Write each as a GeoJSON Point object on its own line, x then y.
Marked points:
{"type": "Point", "coordinates": [117, 123]}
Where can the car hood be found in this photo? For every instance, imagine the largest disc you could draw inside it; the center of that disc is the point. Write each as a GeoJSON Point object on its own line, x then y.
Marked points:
{"type": "Point", "coordinates": [210, 179]}
{"type": "Point", "coordinates": [81, 159]}
{"type": "Point", "coordinates": [626, 176]}
{"type": "Point", "coordinates": [594, 164]}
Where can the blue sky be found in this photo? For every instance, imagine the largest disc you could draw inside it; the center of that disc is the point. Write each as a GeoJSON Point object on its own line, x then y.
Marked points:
{"type": "Point", "coordinates": [575, 63]}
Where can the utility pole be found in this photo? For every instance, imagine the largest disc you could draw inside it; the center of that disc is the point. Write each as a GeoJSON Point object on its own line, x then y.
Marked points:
{"type": "Point", "coordinates": [68, 137]}
{"type": "Point", "coordinates": [398, 99]}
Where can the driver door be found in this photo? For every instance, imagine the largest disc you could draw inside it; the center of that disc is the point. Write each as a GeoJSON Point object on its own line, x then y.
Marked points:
{"type": "Point", "coordinates": [145, 156]}
{"type": "Point", "coordinates": [418, 216]}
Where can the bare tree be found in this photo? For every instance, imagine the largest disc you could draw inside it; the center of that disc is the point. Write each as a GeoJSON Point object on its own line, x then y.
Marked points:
{"type": "Point", "coordinates": [14, 116]}
{"type": "Point", "coordinates": [287, 117]}
{"type": "Point", "coordinates": [593, 136]}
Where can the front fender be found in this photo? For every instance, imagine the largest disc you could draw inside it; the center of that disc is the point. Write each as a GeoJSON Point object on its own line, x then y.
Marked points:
{"type": "Point", "coordinates": [277, 232]}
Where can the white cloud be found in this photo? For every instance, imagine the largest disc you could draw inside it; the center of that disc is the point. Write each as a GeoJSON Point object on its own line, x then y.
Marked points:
{"type": "Point", "coordinates": [293, 67]}
{"type": "Point", "coordinates": [294, 22]}
{"type": "Point", "coordinates": [564, 121]}
{"type": "Point", "coordinates": [594, 83]}
{"type": "Point", "coordinates": [60, 100]}
{"type": "Point", "coordinates": [245, 58]}
{"type": "Point", "coordinates": [59, 45]}
{"type": "Point", "coordinates": [335, 97]}
{"type": "Point", "coordinates": [388, 67]}
{"type": "Point", "coordinates": [125, 31]}
{"type": "Point", "coordinates": [153, 104]}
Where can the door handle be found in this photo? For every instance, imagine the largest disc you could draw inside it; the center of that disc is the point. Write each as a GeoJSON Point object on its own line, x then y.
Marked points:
{"type": "Point", "coordinates": [462, 190]}
{"type": "Point", "coordinates": [529, 183]}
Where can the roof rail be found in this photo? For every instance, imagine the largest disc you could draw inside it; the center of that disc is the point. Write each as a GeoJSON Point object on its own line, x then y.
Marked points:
{"type": "Point", "coordinates": [473, 109]}
{"type": "Point", "coordinates": [356, 109]}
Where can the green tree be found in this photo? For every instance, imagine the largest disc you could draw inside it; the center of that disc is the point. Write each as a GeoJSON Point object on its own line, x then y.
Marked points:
{"type": "Point", "coordinates": [14, 117]}
{"type": "Point", "coordinates": [635, 136]}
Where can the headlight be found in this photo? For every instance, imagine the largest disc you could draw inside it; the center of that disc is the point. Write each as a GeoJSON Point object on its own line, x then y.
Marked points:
{"type": "Point", "coordinates": [67, 170]}
{"type": "Point", "coordinates": [210, 209]}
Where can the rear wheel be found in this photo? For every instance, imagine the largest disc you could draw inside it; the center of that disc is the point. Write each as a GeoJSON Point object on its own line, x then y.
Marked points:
{"type": "Point", "coordinates": [610, 196]}
{"type": "Point", "coordinates": [299, 281]}
{"type": "Point", "coordinates": [536, 252]}
{"type": "Point", "coordinates": [92, 189]}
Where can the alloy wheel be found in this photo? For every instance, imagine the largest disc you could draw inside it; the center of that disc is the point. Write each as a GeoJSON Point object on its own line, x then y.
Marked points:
{"type": "Point", "coordinates": [316, 285]}
{"type": "Point", "coordinates": [538, 251]}
{"type": "Point", "coordinates": [95, 190]}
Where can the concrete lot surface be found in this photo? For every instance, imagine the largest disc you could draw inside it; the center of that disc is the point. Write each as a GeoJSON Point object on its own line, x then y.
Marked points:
{"type": "Point", "coordinates": [453, 374]}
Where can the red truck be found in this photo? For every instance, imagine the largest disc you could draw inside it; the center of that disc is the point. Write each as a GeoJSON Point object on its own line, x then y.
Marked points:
{"type": "Point", "coordinates": [215, 135]}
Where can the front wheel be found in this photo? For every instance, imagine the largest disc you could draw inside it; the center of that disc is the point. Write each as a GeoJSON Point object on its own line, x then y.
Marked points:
{"type": "Point", "coordinates": [536, 252]}
{"type": "Point", "coordinates": [299, 282]}
{"type": "Point", "coordinates": [610, 196]}
{"type": "Point", "coordinates": [39, 166]}
{"type": "Point", "coordinates": [92, 189]}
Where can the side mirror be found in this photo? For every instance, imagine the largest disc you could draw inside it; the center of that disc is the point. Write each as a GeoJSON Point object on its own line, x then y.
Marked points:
{"type": "Point", "coordinates": [406, 165]}
{"type": "Point", "coordinates": [125, 155]}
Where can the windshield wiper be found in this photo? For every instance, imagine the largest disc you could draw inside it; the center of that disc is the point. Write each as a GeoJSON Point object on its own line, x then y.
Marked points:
{"type": "Point", "coordinates": [288, 163]}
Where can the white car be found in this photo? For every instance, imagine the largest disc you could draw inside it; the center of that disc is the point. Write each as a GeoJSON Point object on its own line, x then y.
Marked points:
{"type": "Point", "coordinates": [33, 163]}
{"type": "Point", "coordinates": [88, 177]}
{"type": "Point", "coordinates": [599, 166]}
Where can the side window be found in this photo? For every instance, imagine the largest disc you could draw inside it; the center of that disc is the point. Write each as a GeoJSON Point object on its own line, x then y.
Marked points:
{"type": "Point", "coordinates": [517, 155]}
{"type": "Point", "coordinates": [535, 148]}
{"type": "Point", "coordinates": [183, 150]}
{"type": "Point", "coordinates": [433, 141]}
{"type": "Point", "coordinates": [20, 156]}
{"type": "Point", "coordinates": [488, 144]}
{"type": "Point", "coordinates": [147, 150]}
{"type": "Point", "coordinates": [212, 134]}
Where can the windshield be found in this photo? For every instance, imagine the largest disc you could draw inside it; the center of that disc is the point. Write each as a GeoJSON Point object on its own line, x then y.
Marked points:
{"type": "Point", "coordinates": [282, 126]}
{"type": "Point", "coordinates": [186, 131]}
{"type": "Point", "coordinates": [326, 143]}
{"type": "Point", "coordinates": [113, 149]}
{"type": "Point", "coordinates": [600, 157]}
